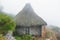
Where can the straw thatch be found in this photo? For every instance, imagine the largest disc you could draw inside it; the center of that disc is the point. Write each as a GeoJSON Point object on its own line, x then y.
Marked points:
{"type": "Point", "coordinates": [28, 17]}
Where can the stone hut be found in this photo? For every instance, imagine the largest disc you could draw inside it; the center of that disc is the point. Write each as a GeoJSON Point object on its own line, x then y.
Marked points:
{"type": "Point", "coordinates": [28, 22]}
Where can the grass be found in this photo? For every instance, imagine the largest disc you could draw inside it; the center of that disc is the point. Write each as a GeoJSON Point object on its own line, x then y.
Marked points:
{"type": "Point", "coordinates": [2, 37]}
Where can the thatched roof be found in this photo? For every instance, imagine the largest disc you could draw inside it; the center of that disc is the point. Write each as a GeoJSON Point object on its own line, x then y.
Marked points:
{"type": "Point", "coordinates": [28, 17]}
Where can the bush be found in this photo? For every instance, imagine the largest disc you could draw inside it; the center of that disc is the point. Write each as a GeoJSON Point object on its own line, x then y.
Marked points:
{"type": "Point", "coordinates": [24, 37]}
{"type": "Point", "coordinates": [18, 38]}
{"type": "Point", "coordinates": [6, 23]}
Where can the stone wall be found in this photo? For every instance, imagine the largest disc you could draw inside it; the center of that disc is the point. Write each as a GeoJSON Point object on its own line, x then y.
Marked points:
{"type": "Point", "coordinates": [32, 30]}
{"type": "Point", "coordinates": [43, 33]}
{"type": "Point", "coordinates": [35, 31]}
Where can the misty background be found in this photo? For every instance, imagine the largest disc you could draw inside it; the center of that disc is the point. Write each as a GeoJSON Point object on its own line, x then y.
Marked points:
{"type": "Point", "coordinates": [49, 10]}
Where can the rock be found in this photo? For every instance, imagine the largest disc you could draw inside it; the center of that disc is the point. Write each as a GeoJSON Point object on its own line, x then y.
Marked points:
{"type": "Point", "coordinates": [47, 39]}
{"type": "Point", "coordinates": [9, 36]}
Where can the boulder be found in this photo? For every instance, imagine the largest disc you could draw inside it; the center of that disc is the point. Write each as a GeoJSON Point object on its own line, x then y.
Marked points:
{"type": "Point", "coordinates": [9, 36]}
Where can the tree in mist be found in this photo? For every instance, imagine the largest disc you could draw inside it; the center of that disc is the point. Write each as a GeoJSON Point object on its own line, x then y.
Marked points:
{"type": "Point", "coordinates": [6, 23]}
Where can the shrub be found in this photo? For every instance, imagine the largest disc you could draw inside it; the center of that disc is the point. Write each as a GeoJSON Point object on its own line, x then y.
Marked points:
{"type": "Point", "coordinates": [18, 38]}
{"type": "Point", "coordinates": [24, 37]}
{"type": "Point", "coordinates": [6, 23]}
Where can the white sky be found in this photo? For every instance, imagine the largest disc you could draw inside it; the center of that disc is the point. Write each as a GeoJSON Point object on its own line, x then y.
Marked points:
{"type": "Point", "coordinates": [49, 10]}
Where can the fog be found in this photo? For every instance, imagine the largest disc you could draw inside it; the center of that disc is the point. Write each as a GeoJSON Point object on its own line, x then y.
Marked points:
{"type": "Point", "coordinates": [49, 10]}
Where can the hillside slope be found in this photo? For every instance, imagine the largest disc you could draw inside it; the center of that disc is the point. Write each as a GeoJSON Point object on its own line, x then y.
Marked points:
{"type": "Point", "coordinates": [55, 29]}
